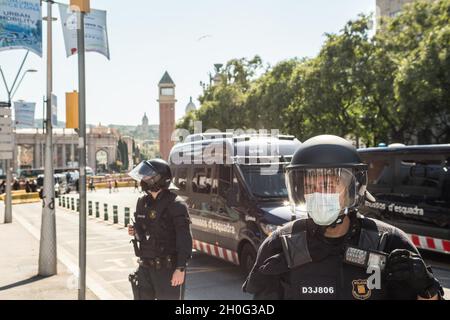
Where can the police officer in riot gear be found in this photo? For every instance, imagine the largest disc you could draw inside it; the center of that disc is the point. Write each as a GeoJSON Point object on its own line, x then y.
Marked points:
{"type": "Point", "coordinates": [333, 252]}
{"type": "Point", "coordinates": [163, 240]}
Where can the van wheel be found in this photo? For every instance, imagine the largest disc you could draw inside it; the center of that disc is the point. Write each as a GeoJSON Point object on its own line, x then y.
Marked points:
{"type": "Point", "coordinates": [247, 258]}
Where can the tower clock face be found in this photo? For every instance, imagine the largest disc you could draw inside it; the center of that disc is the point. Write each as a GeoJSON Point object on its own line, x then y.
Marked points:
{"type": "Point", "coordinates": [167, 92]}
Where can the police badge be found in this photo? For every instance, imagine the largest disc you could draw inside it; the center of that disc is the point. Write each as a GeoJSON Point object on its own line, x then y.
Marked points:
{"type": "Point", "coordinates": [152, 214]}
{"type": "Point", "coordinates": [360, 290]}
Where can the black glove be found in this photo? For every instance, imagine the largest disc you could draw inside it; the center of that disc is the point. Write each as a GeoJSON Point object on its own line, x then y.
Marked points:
{"type": "Point", "coordinates": [274, 265]}
{"type": "Point", "coordinates": [409, 268]}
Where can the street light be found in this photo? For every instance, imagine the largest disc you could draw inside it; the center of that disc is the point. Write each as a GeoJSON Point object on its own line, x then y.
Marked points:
{"type": "Point", "coordinates": [8, 202]}
{"type": "Point", "coordinates": [20, 82]}
{"type": "Point", "coordinates": [8, 90]}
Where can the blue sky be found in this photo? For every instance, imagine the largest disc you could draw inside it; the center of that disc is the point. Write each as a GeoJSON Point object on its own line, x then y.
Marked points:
{"type": "Point", "coordinates": [148, 37]}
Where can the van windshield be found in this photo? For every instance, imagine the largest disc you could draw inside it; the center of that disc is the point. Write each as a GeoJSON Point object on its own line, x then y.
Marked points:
{"type": "Point", "coordinates": [264, 181]}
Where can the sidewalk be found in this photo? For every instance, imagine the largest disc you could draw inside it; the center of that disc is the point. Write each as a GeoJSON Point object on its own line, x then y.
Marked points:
{"type": "Point", "coordinates": [19, 256]}
{"type": "Point", "coordinates": [110, 258]}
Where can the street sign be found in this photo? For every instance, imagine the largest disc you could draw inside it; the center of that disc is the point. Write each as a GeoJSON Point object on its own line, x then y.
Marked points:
{"type": "Point", "coordinates": [6, 147]}
{"type": "Point", "coordinates": [6, 138]}
{"type": "Point", "coordinates": [6, 126]}
{"type": "Point", "coordinates": [5, 121]}
{"type": "Point", "coordinates": [6, 130]}
{"type": "Point", "coordinates": [5, 112]}
{"type": "Point", "coordinates": [6, 155]}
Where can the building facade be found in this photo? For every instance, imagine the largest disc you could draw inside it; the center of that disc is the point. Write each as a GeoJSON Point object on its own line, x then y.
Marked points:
{"type": "Point", "coordinates": [391, 8]}
{"type": "Point", "coordinates": [101, 145]}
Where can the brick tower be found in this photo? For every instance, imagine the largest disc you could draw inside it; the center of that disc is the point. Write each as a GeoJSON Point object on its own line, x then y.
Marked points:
{"type": "Point", "coordinates": [166, 114]}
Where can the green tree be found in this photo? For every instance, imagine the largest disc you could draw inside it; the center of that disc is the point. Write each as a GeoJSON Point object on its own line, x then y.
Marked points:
{"type": "Point", "coordinates": [423, 85]}
{"type": "Point", "coordinates": [403, 44]}
{"type": "Point", "coordinates": [270, 96]}
{"type": "Point", "coordinates": [223, 104]}
{"type": "Point", "coordinates": [332, 97]}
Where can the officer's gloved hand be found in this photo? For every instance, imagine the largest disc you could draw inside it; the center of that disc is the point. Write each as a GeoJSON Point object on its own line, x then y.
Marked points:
{"type": "Point", "coordinates": [274, 265]}
{"type": "Point", "coordinates": [409, 268]}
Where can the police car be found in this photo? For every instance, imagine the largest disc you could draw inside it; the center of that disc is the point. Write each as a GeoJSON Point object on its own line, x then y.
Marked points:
{"type": "Point", "coordinates": [235, 190]}
{"type": "Point", "coordinates": [412, 187]}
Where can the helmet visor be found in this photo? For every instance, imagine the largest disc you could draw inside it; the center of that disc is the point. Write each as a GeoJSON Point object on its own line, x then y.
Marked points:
{"type": "Point", "coordinates": [144, 172]}
{"type": "Point", "coordinates": [329, 190]}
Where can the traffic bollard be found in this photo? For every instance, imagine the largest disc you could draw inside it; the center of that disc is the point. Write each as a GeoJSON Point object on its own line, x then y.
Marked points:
{"type": "Point", "coordinates": [90, 207]}
{"type": "Point", "coordinates": [105, 206]}
{"type": "Point", "coordinates": [78, 205]}
{"type": "Point", "coordinates": [127, 217]}
{"type": "Point", "coordinates": [97, 210]}
{"type": "Point", "coordinates": [72, 202]}
{"type": "Point", "coordinates": [115, 215]}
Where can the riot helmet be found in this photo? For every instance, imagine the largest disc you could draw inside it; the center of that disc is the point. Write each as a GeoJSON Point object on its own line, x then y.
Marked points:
{"type": "Point", "coordinates": [153, 175]}
{"type": "Point", "coordinates": [326, 179]}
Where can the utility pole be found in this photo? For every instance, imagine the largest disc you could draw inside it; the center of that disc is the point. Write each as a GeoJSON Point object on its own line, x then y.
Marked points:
{"type": "Point", "coordinates": [47, 248]}
{"type": "Point", "coordinates": [83, 7]}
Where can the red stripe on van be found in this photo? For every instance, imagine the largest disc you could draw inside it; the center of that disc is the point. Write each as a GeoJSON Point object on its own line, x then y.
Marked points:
{"type": "Point", "coordinates": [236, 258]}
{"type": "Point", "coordinates": [446, 245]}
{"type": "Point", "coordinates": [415, 240]}
{"type": "Point", "coordinates": [216, 251]}
{"type": "Point", "coordinates": [430, 243]}
{"type": "Point", "coordinates": [203, 246]}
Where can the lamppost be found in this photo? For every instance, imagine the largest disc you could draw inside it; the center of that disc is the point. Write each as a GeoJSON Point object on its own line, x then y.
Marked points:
{"type": "Point", "coordinates": [11, 92]}
{"type": "Point", "coordinates": [47, 244]}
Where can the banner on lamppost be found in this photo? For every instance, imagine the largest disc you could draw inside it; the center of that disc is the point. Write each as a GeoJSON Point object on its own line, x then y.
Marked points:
{"type": "Point", "coordinates": [54, 110]}
{"type": "Point", "coordinates": [24, 114]}
{"type": "Point", "coordinates": [21, 25]}
{"type": "Point", "coordinates": [96, 32]}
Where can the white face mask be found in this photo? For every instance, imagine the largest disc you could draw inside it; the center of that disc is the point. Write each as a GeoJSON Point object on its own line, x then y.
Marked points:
{"type": "Point", "coordinates": [323, 208]}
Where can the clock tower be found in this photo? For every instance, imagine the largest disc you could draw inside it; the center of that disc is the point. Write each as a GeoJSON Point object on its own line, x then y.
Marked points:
{"type": "Point", "coordinates": [166, 115]}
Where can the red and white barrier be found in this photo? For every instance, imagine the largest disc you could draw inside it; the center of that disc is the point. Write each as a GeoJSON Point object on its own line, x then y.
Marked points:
{"type": "Point", "coordinates": [429, 243]}
{"type": "Point", "coordinates": [216, 251]}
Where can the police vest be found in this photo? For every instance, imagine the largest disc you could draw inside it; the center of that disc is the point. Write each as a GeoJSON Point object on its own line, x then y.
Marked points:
{"type": "Point", "coordinates": [317, 269]}
{"type": "Point", "coordinates": [154, 227]}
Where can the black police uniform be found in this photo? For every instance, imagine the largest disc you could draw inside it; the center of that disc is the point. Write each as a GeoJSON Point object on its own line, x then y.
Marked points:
{"type": "Point", "coordinates": [319, 270]}
{"type": "Point", "coordinates": [163, 243]}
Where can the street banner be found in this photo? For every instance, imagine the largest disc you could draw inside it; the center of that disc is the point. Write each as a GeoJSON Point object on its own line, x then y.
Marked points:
{"type": "Point", "coordinates": [54, 110]}
{"type": "Point", "coordinates": [96, 33]}
{"type": "Point", "coordinates": [24, 114]}
{"type": "Point", "coordinates": [21, 25]}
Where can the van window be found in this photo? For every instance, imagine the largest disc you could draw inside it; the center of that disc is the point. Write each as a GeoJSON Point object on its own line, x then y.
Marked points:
{"type": "Point", "coordinates": [215, 182]}
{"type": "Point", "coordinates": [380, 173]}
{"type": "Point", "coordinates": [420, 177]}
{"type": "Point", "coordinates": [181, 178]}
{"type": "Point", "coordinates": [202, 180]}
{"type": "Point", "coordinates": [268, 185]}
{"type": "Point", "coordinates": [224, 180]}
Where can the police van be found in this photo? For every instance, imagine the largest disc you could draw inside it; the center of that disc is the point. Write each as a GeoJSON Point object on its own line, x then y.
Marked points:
{"type": "Point", "coordinates": [235, 190]}
{"type": "Point", "coordinates": [411, 185]}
